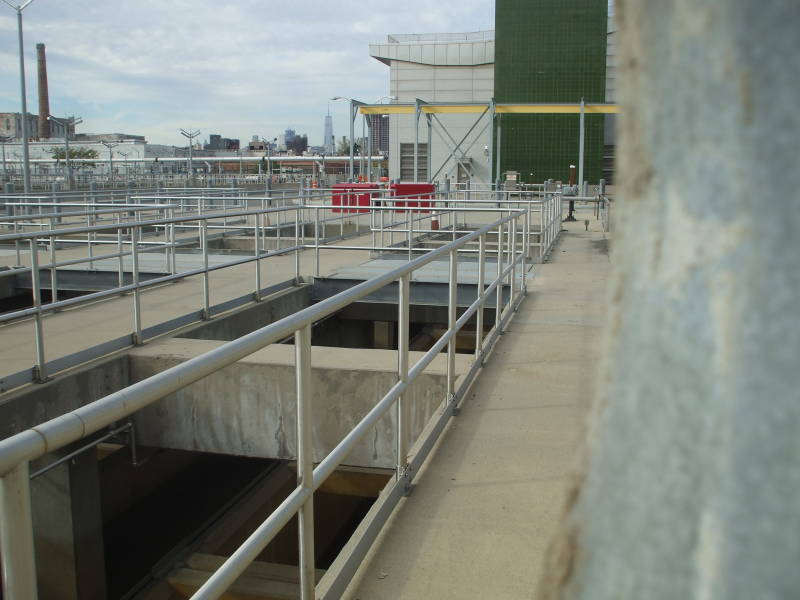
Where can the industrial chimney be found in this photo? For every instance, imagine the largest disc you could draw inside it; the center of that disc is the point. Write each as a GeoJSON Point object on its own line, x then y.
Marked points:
{"type": "Point", "coordinates": [44, 99]}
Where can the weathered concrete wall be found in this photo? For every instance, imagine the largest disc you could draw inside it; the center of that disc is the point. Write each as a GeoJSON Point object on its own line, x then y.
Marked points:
{"type": "Point", "coordinates": [693, 477]}
{"type": "Point", "coordinates": [68, 524]}
{"type": "Point", "coordinates": [241, 322]}
{"type": "Point", "coordinates": [249, 408]}
{"type": "Point", "coordinates": [36, 404]}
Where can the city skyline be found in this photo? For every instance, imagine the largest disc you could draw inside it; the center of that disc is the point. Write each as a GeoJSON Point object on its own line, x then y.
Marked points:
{"type": "Point", "coordinates": [245, 69]}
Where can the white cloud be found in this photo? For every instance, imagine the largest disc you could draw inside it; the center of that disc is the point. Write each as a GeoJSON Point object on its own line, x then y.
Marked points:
{"type": "Point", "coordinates": [238, 68]}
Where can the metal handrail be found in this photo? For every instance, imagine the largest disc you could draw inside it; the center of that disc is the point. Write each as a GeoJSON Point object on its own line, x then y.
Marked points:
{"type": "Point", "coordinates": [16, 452]}
{"type": "Point", "coordinates": [201, 224]}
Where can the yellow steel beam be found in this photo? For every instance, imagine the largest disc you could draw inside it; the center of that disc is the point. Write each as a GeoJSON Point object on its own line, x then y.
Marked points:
{"type": "Point", "coordinates": [551, 109]}
{"type": "Point", "coordinates": [519, 109]}
{"type": "Point", "coordinates": [387, 109]}
{"type": "Point", "coordinates": [454, 108]}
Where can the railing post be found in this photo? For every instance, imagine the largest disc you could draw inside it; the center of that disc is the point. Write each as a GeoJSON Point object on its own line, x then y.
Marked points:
{"type": "Point", "coordinates": [499, 308]}
{"type": "Point", "coordinates": [481, 284]}
{"type": "Point", "coordinates": [53, 268]}
{"type": "Point", "coordinates": [172, 266]}
{"type": "Point", "coordinates": [451, 324]}
{"type": "Point", "coordinates": [17, 250]}
{"type": "Point", "coordinates": [256, 242]}
{"type": "Point", "coordinates": [16, 535]}
{"type": "Point", "coordinates": [137, 304]}
{"type": "Point", "coordinates": [316, 242]}
{"type": "Point", "coordinates": [120, 258]}
{"type": "Point", "coordinates": [525, 232]}
{"type": "Point", "coordinates": [512, 252]}
{"type": "Point", "coordinates": [383, 242]}
{"type": "Point", "coordinates": [206, 289]}
{"type": "Point", "coordinates": [403, 412]}
{"type": "Point", "coordinates": [305, 459]}
{"type": "Point", "coordinates": [40, 369]}
{"type": "Point", "coordinates": [409, 214]}
{"type": "Point", "coordinates": [297, 245]}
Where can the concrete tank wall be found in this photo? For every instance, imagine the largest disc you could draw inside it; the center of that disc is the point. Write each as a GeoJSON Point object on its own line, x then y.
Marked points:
{"type": "Point", "coordinates": [249, 408]}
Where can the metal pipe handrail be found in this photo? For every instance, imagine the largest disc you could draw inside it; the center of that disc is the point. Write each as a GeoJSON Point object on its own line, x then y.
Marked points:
{"type": "Point", "coordinates": [37, 441]}
{"type": "Point", "coordinates": [86, 213]}
{"type": "Point", "coordinates": [170, 244]}
{"type": "Point", "coordinates": [18, 450]}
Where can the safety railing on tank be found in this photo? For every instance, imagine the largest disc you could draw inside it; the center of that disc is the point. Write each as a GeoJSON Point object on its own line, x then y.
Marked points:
{"type": "Point", "coordinates": [293, 228]}
{"type": "Point", "coordinates": [17, 451]}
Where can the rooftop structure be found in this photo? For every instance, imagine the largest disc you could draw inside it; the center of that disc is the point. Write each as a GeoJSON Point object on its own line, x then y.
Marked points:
{"type": "Point", "coordinates": [438, 68]}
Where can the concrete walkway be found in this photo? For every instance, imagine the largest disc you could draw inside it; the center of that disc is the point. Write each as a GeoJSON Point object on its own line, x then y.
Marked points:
{"type": "Point", "coordinates": [480, 518]}
{"type": "Point", "coordinates": [85, 326]}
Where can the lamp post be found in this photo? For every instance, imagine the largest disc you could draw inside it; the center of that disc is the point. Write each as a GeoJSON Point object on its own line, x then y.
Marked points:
{"type": "Point", "coordinates": [26, 167]}
{"type": "Point", "coordinates": [110, 147]}
{"type": "Point", "coordinates": [268, 145]}
{"type": "Point", "coordinates": [190, 135]}
{"type": "Point", "coordinates": [71, 121]}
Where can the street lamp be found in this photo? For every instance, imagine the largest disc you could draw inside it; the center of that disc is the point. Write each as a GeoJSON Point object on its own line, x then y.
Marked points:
{"type": "Point", "coordinates": [110, 147]}
{"type": "Point", "coordinates": [26, 167]}
{"type": "Point", "coordinates": [190, 135]}
{"type": "Point", "coordinates": [71, 121]}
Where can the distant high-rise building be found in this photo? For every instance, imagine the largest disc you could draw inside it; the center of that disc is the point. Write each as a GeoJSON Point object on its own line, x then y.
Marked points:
{"type": "Point", "coordinates": [328, 142]}
{"type": "Point", "coordinates": [380, 134]}
{"type": "Point", "coordinates": [217, 142]}
{"type": "Point", "coordinates": [289, 135]}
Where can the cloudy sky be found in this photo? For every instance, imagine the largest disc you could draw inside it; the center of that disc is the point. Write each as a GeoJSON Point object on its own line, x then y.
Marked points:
{"type": "Point", "coordinates": [237, 67]}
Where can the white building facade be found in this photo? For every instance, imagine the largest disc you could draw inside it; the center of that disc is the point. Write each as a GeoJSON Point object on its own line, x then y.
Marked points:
{"type": "Point", "coordinates": [439, 68]}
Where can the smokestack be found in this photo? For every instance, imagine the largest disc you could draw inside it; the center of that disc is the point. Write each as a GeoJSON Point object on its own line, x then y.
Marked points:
{"type": "Point", "coordinates": [44, 99]}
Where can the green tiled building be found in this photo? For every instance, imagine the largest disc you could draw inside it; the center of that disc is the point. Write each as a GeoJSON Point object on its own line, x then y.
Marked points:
{"type": "Point", "coordinates": [550, 51]}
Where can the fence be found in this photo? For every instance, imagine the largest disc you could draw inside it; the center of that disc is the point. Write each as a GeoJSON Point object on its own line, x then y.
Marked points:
{"type": "Point", "coordinates": [16, 452]}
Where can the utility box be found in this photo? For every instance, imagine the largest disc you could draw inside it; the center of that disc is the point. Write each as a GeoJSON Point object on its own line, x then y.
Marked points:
{"type": "Point", "coordinates": [354, 197]}
{"type": "Point", "coordinates": [413, 195]}
{"type": "Point", "coordinates": [512, 181]}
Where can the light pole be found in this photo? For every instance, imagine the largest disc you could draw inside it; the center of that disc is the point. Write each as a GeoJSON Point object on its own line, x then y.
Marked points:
{"type": "Point", "coordinates": [269, 154]}
{"type": "Point", "coordinates": [190, 135]}
{"type": "Point", "coordinates": [26, 167]}
{"type": "Point", "coordinates": [110, 147]}
{"type": "Point", "coordinates": [71, 121]}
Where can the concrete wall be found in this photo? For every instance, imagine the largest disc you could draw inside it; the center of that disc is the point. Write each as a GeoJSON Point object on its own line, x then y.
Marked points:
{"type": "Point", "coordinates": [255, 316]}
{"type": "Point", "coordinates": [35, 404]}
{"type": "Point", "coordinates": [692, 482]}
{"type": "Point", "coordinates": [249, 408]}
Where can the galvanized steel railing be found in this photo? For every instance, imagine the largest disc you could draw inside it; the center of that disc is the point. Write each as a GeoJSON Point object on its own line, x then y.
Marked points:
{"type": "Point", "coordinates": [16, 452]}
{"type": "Point", "coordinates": [130, 243]}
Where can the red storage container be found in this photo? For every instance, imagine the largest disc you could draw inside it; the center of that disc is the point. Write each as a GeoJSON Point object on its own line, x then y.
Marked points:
{"type": "Point", "coordinates": [419, 192]}
{"type": "Point", "coordinates": [350, 196]}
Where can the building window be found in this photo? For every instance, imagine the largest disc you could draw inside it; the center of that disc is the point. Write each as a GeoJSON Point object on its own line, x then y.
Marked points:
{"type": "Point", "coordinates": [407, 162]}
